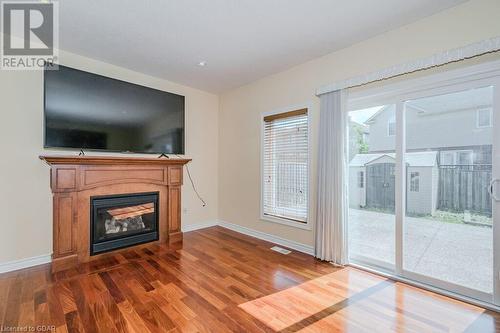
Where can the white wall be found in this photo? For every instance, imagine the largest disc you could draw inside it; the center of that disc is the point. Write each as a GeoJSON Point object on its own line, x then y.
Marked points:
{"type": "Point", "coordinates": [239, 160]}
{"type": "Point", "coordinates": [25, 197]}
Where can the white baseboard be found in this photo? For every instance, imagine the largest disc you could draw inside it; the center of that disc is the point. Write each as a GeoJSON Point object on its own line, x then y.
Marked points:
{"type": "Point", "coordinates": [197, 226]}
{"type": "Point", "coordinates": [307, 249]}
{"type": "Point", "coordinates": [24, 263]}
{"type": "Point", "coordinates": [44, 259]}
{"type": "Point", "coordinates": [252, 232]}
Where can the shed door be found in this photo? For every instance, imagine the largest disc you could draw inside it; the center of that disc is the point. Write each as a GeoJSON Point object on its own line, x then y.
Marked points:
{"type": "Point", "coordinates": [380, 180]}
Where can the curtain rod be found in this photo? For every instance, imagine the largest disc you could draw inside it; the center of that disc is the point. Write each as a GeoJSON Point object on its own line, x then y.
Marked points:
{"type": "Point", "coordinates": [487, 46]}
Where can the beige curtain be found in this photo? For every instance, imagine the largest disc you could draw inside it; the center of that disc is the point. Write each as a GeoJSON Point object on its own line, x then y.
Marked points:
{"type": "Point", "coordinates": [332, 209]}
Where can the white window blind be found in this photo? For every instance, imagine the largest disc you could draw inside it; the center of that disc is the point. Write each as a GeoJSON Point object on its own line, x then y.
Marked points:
{"type": "Point", "coordinates": [285, 166]}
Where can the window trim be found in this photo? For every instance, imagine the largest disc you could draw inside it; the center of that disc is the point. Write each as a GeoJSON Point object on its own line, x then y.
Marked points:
{"type": "Point", "coordinates": [423, 86]}
{"type": "Point", "coordinates": [283, 220]}
{"type": "Point", "coordinates": [490, 111]}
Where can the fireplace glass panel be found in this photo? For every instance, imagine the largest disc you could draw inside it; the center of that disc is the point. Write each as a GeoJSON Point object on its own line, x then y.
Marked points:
{"type": "Point", "coordinates": [124, 220]}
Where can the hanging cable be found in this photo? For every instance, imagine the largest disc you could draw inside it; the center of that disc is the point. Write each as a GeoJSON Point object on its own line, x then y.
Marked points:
{"type": "Point", "coordinates": [192, 184]}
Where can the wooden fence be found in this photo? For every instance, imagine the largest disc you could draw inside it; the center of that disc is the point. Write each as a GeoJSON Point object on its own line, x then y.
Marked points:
{"type": "Point", "coordinates": [465, 187]}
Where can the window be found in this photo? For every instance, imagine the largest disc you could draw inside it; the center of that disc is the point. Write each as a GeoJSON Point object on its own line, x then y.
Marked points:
{"type": "Point", "coordinates": [457, 157]}
{"type": "Point", "coordinates": [285, 166]}
{"type": "Point", "coordinates": [483, 118]}
{"type": "Point", "coordinates": [465, 157]}
{"type": "Point", "coordinates": [414, 181]}
{"type": "Point", "coordinates": [447, 158]}
{"type": "Point", "coordinates": [361, 179]}
{"type": "Point", "coordinates": [391, 127]}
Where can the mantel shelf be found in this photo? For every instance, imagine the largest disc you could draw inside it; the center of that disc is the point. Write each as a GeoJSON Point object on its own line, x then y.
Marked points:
{"type": "Point", "coordinates": [110, 160]}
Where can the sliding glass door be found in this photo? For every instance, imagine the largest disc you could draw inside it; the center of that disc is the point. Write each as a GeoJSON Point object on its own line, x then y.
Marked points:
{"type": "Point", "coordinates": [423, 171]}
{"type": "Point", "coordinates": [448, 234]}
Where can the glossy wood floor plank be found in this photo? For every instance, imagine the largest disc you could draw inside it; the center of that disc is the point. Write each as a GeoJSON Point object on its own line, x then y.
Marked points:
{"type": "Point", "coordinates": [222, 281]}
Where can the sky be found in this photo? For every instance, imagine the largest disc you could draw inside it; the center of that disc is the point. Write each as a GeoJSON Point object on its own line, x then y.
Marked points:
{"type": "Point", "coordinates": [360, 116]}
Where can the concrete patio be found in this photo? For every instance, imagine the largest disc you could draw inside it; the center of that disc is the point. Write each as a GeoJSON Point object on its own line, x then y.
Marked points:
{"type": "Point", "coordinates": [457, 253]}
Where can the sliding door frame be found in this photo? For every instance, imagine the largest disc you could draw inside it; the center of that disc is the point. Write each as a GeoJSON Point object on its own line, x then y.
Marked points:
{"type": "Point", "coordinates": [400, 184]}
{"type": "Point", "coordinates": [483, 75]}
{"type": "Point", "coordinates": [438, 90]}
{"type": "Point", "coordinates": [495, 204]}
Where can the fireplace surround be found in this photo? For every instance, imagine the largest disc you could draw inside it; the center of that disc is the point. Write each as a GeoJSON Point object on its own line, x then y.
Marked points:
{"type": "Point", "coordinates": [76, 180]}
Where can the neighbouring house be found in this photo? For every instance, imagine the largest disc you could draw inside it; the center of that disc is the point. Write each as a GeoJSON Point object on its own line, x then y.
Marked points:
{"type": "Point", "coordinates": [372, 181]}
{"type": "Point", "coordinates": [458, 126]}
{"type": "Point", "coordinates": [448, 136]}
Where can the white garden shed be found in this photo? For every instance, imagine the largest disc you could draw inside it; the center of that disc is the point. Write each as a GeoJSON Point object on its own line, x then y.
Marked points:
{"type": "Point", "coordinates": [372, 181]}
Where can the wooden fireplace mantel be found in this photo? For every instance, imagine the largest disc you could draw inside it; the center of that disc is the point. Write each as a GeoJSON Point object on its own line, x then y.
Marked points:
{"type": "Point", "coordinates": [75, 179]}
{"type": "Point", "coordinates": [111, 160]}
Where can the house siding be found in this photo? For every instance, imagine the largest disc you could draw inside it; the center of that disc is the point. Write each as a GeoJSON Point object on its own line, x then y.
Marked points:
{"type": "Point", "coordinates": [437, 131]}
{"type": "Point", "coordinates": [379, 140]}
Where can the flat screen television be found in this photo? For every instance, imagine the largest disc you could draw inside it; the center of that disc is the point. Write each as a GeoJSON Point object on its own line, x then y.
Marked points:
{"type": "Point", "coordinates": [93, 112]}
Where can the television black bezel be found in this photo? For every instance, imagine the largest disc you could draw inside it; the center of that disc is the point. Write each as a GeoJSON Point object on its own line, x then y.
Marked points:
{"type": "Point", "coordinates": [45, 146]}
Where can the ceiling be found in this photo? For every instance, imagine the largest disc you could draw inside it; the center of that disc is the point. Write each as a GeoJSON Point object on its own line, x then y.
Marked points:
{"type": "Point", "coordinates": [240, 40]}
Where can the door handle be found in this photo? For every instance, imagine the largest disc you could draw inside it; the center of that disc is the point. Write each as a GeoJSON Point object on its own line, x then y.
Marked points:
{"type": "Point", "coordinates": [491, 189]}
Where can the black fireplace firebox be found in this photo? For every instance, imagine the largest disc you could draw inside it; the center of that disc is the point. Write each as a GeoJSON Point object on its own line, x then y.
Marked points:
{"type": "Point", "coordinates": [120, 221]}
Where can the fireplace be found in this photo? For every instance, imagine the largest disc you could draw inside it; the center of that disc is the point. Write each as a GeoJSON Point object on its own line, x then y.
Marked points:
{"type": "Point", "coordinates": [75, 180]}
{"type": "Point", "coordinates": [119, 221]}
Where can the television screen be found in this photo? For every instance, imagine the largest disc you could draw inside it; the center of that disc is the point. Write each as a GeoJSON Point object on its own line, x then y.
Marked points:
{"type": "Point", "coordinates": [92, 112]}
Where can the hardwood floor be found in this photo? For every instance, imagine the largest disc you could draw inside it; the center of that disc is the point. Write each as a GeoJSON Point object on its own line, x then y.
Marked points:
{"type": "Point", "coordinates": [222, 281]}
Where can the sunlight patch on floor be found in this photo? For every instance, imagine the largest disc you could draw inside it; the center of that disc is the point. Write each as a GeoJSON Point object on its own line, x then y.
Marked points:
{"type": "Point", "coordinates": [353, 300]}
{"type": "Point", "coordinates": [287, 307]}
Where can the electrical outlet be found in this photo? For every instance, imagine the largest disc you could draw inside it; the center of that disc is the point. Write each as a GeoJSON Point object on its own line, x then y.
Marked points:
{"type": "Point", "coordinates": [184, 210]}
